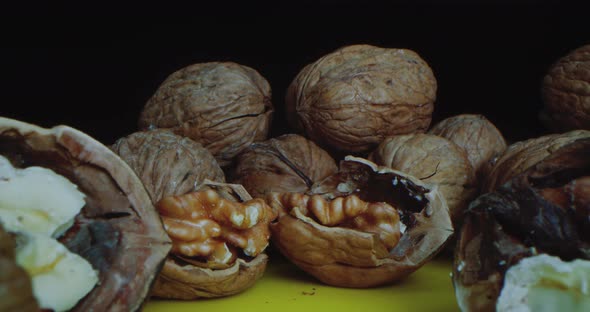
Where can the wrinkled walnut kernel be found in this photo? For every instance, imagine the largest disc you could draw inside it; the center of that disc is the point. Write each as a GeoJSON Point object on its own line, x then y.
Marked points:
{"type": "Point", "coordinates": [348, 212]}
{"type": "Point", "coordinates": [202, 224]}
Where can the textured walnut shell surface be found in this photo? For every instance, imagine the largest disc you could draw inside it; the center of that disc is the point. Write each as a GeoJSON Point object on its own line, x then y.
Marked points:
{"type": "Point", "coordinates": [433, 160]}
{"type": "Point", "coordinates": [351, 258]}
{"type": "Point", "coordinates": [288, 163]}
{"type": "Point", "coordinates": [542, 210]}
{"type": "Point", "coordinates": [16, 292]}
{"type": "Point", "coordinates": [351, 99]}
{"type": "Point", "coordinates": [224, 106]}
{"type": "Point", "coordinates": [118, 230]}
{"type": "Point", "coordinates": [181, 280]}
{"type": "Point", "coordinates": [166, 163]}
{"type": "Point", "coordinates": [520, 156]}
{"type": "Point", "coordinates": [476, 135]}
{"type": "Point", "coordinates": [566, 92]}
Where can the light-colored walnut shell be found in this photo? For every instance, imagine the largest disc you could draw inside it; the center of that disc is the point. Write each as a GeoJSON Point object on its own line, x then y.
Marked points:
{"type": "Point", "coordinates": [566, 92]}
{"type": "Point", "coordinates": [132, 245]}
{"type": "Point", "coordinates": [350, 258]}
{"type": "Point", "coordinates": [477, 136]}
{"type": "Point", "coordinates": [166, 163]}
{"type": "Point", "coordinates": [520, 156]}
{"type": "Point", "coordinates": [351, 99]}
{"type": "Point", "coordinates": [185, 281]}
{"type": "Point", "coordinates": [223, 105]}
{"type": "Point", "coordinates": [288, 163]}
{"type": "Point", "coordinates": [433, 160]}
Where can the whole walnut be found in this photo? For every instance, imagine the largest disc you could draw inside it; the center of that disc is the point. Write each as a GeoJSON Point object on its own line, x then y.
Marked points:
{"type": "Point", "coordinates": [477, 135]}
{"type": "Point", "coordinates": [519, 156]}
{"type": "Point", "coordinates": [288, 163]}
{"type": "Point", "coordinates": [433, 160]}
{"type": "Point", "coordinates": [224, 106]}
{"type": "Point", "coordinates": [353, 98]}
{"type": "Point", "coordinates": [166, 163]}
{"type": "Point", "coordinates": [566, 92]}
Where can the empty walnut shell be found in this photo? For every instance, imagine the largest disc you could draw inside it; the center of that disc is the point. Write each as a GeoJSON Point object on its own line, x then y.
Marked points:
{"type": "Point", "coordinates": [519, 156]}
{"type": "Point", "coordinates": [477, 136]}
{"type": "Point", "coordinates": [288, 163]}
{"type": "Point", "coordinates": [566, 92]}
{"type": "Point", "coordinates": [118, 230]}
{"type": "Point", "coordinates": [166, 163]}
{"type": "Point", "coordinates": [351, 99]}
{"type": "Point", "coordinates": [434, 160]}
{"type": "Point", "coordinates": [16, 291]}
{"type": "Point", "coordinates": [224, 106]}
{"type": "Point", "coordinates": [544, 209]}
{"type": "Point", "coordinates": [350, 258]}
{"type": "Point", "coordinates": [181, 279]}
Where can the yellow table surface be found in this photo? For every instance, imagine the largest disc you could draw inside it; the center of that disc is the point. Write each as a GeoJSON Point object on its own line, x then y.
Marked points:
{"type": "Point", "coordinates": [285, 288]}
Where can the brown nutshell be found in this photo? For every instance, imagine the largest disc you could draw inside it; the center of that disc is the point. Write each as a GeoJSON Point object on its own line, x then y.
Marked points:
{"type": "Point", "coordinates": [433, 160]}
{"type": "Point", "coordinates": [520, 156]}
{"type": "Point", "coordinates": [326, 238]}
{"type": "Point", "coordinates": [351, 99]}
{"type": "Point", "coordinates": [477, 136]}
{"type": "Point", "coordinates": [166, 163]}
{"type": "Point", "coordinates": [566, 92]}
{"type": "Point", "coordinates": [222, 105]}
{"type": "Point", "coordinates": [288, 163]}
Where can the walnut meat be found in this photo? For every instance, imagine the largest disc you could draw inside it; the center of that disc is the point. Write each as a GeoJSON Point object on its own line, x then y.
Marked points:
{"type": "Point", "coordinates": [224, 106]}
{"type": "Point", "coordinates": [476, 135]}
{"type": "Point", "coordinates": [288, 163]}
{"type": "Point", "coordinates": [166, 163]}
{"type": "Point", "coordinates": [566, 92]}
{"type": "Point", "coordinates": [434, 160]}
{"type": "Point", "coordinates": [520, 156]}
{"type": "Point", "coordinates": [219, 236]}
{"type": "Point", "coordinates": [354, 97]}
{"type": "Point", "coordinates": [361, 227]}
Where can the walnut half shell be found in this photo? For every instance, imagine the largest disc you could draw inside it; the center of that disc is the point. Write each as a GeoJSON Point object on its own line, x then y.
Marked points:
{"type": "Point", "coordinates": [348, 257]}
{"type": "Point", "coordinates": [118, 230]}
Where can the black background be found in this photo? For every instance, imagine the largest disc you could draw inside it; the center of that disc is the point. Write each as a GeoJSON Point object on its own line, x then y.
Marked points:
{"type": "Point", "coordinates": [94, 67]}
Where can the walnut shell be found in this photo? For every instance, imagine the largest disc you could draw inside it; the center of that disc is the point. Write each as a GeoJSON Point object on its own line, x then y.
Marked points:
{"type": "Point", "coordinates": [519, 156]}
{"type": "Point", "coordinates": [224, 106]}
{"type": "Point", "coordinates": [434, 160]}
{"type": "Point", "coordinates": [118, 230]}
{"type": "Point", "coordinates": [182, 280]}
{"type": "Point", "coordinates": [476, 135]}
{"type": "Point", "coordinates": [351, 99]}
{"type": "Point", "coordinates": [542, 210]}
{"type": "Point", "coordinates": [288, 163]}
{"type": "Point", "coordinates": [350, 258]}
{"type": "Point", "coordinates": [166, 163]}
{"type": "Point", "coordinates": [566, 92]}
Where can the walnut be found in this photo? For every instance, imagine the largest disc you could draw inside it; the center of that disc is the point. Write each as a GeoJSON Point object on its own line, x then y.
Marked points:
{"type": "Point", "coordinates": [166, 163]}
{"type": "Point", "coordinates": [224, 106]}
{"type": "Point", "coordinates": [118, 231]}
{"type": "Point", "coordinates": [566, 92]}
{"type": "Point", "coordinates": [361, 227]}
{"type": "Point", "coordinates": [354, 97]}
{"type": "Point", "coordinates": [219, 235]}
{"type": "Point", "coordinates": [288, 163]}
{"type": "Point", "coordinates": [519, 156]}
{"type": "Point", "coordinates": [433, 160]}
{"type": "Point", "coordinates": [541, 209]}
{"type": "Point", "coordinates": [477, 135]}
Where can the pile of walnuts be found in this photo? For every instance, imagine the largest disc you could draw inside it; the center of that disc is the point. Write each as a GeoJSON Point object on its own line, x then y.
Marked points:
{"type": "Point", "coordinates": [362, 169]}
